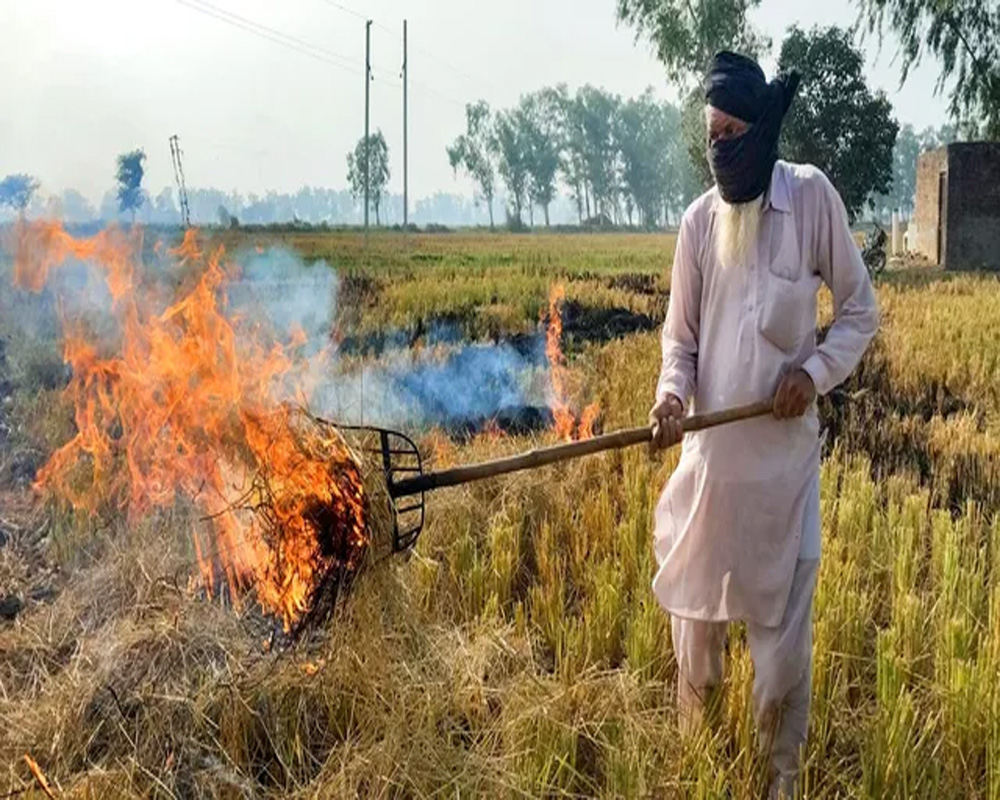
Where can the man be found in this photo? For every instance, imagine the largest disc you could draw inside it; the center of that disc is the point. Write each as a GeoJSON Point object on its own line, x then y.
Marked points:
{"type": "Point", "coordinates": [737, 533]}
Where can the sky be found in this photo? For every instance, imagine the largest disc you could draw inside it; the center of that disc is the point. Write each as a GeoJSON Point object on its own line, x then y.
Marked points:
{"type": "Point", "coordinates": [88, 80]}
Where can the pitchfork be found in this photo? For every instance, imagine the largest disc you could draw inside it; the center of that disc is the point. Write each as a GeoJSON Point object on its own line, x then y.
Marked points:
{"type": "Point", "coordinates": [406, 480]}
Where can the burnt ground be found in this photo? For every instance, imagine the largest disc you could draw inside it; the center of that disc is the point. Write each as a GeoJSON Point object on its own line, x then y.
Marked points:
{"type": "Point", "coordinates": [25, 575]}
{"type": "Point", "coordinates": [510, 421]}
{"type": "Point", "coordinates": [887, 424]}
{"type": "Point", "coordinates": [583, 324]}
{"type": "Point", "coordinates": [869, 415]}
{"type": "Point", "coordinates": [637, 283]}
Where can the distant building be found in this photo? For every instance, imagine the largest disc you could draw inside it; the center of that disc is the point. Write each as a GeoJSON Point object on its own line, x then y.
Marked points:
{"type": "Point", "coordinates": [957, 216]}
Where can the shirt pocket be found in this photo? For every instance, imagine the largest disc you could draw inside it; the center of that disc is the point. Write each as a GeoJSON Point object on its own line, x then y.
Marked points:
{"type": "Point", "coordinates": [788, 309]}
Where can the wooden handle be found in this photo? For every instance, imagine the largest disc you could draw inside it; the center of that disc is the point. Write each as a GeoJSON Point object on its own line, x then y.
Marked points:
{"type": "Point", "coordinates": [562, 452]}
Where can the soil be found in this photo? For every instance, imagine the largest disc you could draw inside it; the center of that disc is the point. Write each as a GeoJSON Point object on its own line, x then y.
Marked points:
{"type": "Point", "coordinates": [869, 415]}
{"type": "Point", "coordinates": [514, 421]}
{"type": "Point", "coordinates": [583, 323]}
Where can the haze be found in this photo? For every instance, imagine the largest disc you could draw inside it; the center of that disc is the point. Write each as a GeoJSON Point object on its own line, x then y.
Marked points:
{"type": "Point", "coordinates": [89, 80]}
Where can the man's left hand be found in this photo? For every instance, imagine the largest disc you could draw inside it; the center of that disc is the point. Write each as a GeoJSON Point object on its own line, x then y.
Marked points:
{"type": "Point", "coordinates": [795, 394]}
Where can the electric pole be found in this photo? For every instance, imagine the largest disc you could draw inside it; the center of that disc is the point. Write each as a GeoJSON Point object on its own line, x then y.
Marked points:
{"type": "Point", "coordinates": [368, 78]}
{"type": "Point", "coordinates": [406, 198]}
{"type": "Point", "coordinates": [175, 158]}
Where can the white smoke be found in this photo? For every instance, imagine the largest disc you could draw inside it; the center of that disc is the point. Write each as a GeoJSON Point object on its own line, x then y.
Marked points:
{"type": "Point", "coordinates": [446, 382]}
{"type": "Point", "coordinates": [275, 296]}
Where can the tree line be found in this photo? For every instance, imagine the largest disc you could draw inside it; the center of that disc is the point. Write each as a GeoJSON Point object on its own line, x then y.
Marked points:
{"type": "Point", "coordinates": [638, 161]}
{"type": "Point", "coordinates": [620, 160]}
{"type": "Point", "coordinates": [909, 145]}
{"type": "Point", "coordinates": [837, 123]}
{"type": "Point", "coordinates": [18, 190]}
{"type": "Point", "coordinates": [305, 206]}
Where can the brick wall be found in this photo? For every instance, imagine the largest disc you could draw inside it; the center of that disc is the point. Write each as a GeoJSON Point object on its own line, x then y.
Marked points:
{"type": "Point", "coordinates": [925, 217]}
{"type": "Point", "coordinates": [973, 237]}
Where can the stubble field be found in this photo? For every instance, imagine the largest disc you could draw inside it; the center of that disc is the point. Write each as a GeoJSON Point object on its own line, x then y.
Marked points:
{"type": "Point", "coordinates": [519, 651]}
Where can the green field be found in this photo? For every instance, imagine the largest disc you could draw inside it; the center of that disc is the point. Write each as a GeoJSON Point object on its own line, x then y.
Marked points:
{"type": "Point", "coordinates": [519, 651]}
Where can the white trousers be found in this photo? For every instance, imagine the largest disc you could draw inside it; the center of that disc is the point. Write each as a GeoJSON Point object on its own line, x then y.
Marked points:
{"type": "Point", "coordinates": [782, 661]}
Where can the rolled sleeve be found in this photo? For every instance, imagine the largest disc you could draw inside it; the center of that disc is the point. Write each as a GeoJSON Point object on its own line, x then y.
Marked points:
{"type": "Point", "coordinates": [856, 314]}
{"type": "Point", "coordinates": [679, 337]}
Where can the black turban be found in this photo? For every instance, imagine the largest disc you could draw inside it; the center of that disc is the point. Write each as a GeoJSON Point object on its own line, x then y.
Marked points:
{"type": "Point", "coordinates": [736, 85]}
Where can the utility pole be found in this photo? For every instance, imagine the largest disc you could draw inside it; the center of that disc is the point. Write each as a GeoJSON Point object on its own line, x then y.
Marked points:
{"type": "Point", "coordinates": [175, 158]}
{"type": "Point", "coordinates": [406, 196]}
{"type": "Point", "coordinates": [368, 78]}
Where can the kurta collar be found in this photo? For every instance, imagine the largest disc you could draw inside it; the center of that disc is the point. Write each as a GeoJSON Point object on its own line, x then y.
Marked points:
{"type": "Point", "coordinates": [777, 193]}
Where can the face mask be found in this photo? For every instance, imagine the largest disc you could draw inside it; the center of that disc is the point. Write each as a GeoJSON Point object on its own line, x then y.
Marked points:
{"type": "Point", "coordinates": [742, 166]}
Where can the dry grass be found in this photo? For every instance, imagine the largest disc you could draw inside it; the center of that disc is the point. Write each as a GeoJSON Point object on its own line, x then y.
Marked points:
{"type": "Point", "coordinates": [519, 650]}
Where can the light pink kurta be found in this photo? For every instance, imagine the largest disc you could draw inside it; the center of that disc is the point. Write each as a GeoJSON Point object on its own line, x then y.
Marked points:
{"type": "Point", "coordinates": [730, 522]}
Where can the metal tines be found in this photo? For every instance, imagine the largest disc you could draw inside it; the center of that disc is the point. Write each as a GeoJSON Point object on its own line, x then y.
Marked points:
{"type": "Point", "coordinates": [399, 459]}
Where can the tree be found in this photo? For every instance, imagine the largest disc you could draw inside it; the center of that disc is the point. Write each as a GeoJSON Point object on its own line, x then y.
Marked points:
{"type": "Point", "coordinates": [572, 159]}
{"type": "Point", "coordinates": [965, 37]}
{"type": "Point", "coordinates": [76, 207]}
{"type": "Point", "coordinates": [129, 180]}
{"type": "Point", "coordinates": [648, 136]}
{"type": "Point", "coordinates": [539, 117]}
{"type": "Point", "coordinates": [165, 208]}
{"type": "Point", "coordinates": [904, 174]}
{"type": "Point", "coordinates": [227, 220]}
{"type": "Point", "coordinates": [688, 33]}
{"type": "Point", "coordinates": [475, 153]}
{"type": "Point", "coordinates": [510, 146]}
{"type": "Point", "coordinates": [695, 135]}
{"type": "Point", "coordinates": [377, 175]}
{"type": "Point", "coordinates": [836, 123]}
{"type": "Point", "coordinates": [931, 138]}
{"type": "Point", "coordinates": [16, 191]}
{"type": "Point", "coordinates": [598, 112]}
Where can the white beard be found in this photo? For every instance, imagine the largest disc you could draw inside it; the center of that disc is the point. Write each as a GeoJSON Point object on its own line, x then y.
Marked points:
{"type": "Point", "coordinates": [737, 226]}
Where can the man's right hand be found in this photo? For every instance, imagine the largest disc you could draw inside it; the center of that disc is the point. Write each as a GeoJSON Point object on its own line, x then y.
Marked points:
{"type": "Point", "coordinates": [665, 423]}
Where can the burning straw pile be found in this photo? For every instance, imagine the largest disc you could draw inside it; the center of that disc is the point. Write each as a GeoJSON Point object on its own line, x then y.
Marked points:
{"type": "Point", "coordinates": [191, 400]}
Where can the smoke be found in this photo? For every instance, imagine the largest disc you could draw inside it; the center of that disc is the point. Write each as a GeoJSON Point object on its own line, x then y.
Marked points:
{"type": "Point", "coordinates": [276, 289]}
{"type": "Point", "coordinates": [445, 386]}
{"type": "Point", "coordinates": [445, 381]}
{"type": "Point", "coordinates": [273, 297]}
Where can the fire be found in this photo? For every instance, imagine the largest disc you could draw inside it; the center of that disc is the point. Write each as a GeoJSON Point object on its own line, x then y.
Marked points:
{"type": "Point", "coordinates": [189, 404]}
{"type": "Point", "coordinates": [492, 431]}
{"type": "Point", "coordinates": [565, 421]}
{"type": "Point", "coordinates": [311, 668]}
{"type": "Point", "coordinates": [587, 420]}
{"type": "Point", "coordinates": [38, 775]}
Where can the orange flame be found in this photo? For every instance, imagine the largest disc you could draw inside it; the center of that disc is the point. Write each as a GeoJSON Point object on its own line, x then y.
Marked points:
{"type": "Point", "coordinates": [587, 420]}
{"type": "Point", "coordinates": [39, 776]}
{"type": "Point", "coordinates": [187, 406]}
{"type": "Point", "coordinates": [491, 431]}
{"type": "Point", "coordinates": [311, 668]}
{"type": "Point", "coordinates": [565, 421]}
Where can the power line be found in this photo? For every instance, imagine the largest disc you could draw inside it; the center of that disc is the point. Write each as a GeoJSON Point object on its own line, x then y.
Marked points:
{"type": "Point", "coordinates": [457, 70]}
{"type": "Point", "coordinates": [467, 75]}
{"type": "Point", "coordinates": [387, 79]}
{"type": "Point", "coordinates": [271, 34]}
{"type": "Point", "coordinates": [306, 48]}
{"type": "Point", "coordinates": [359, 15]}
